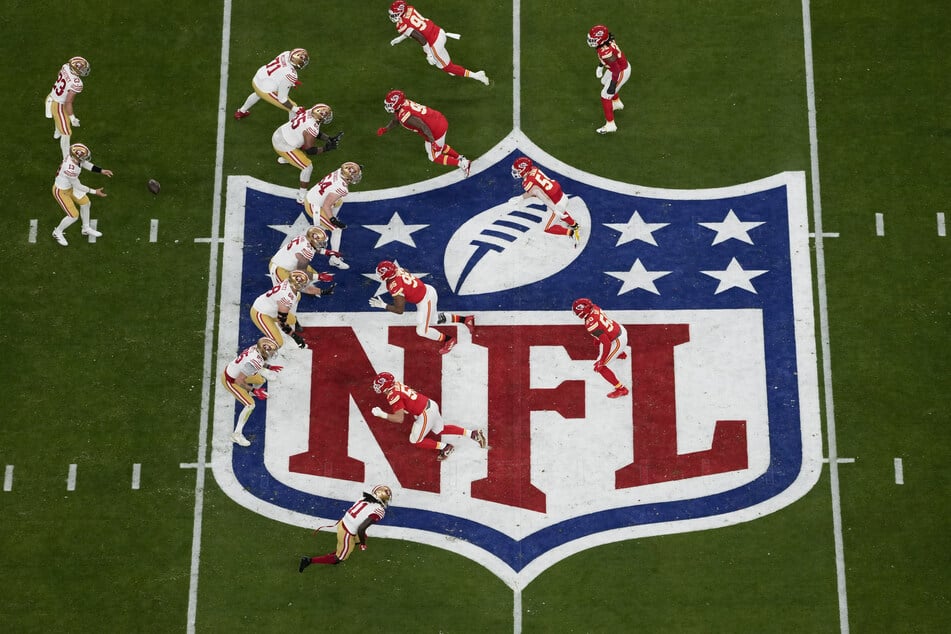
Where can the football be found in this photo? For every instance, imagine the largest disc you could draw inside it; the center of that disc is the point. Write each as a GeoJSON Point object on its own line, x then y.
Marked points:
{"type": "Point", "coordinates": [154, 186]}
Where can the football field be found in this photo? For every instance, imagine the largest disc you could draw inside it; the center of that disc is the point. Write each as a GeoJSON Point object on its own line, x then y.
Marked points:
{"type": "Point", "coordinates": [125, 507]}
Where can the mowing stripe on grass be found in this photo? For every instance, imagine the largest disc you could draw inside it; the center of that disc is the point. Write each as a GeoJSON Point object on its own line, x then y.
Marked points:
{"type": "Point", "coordinates": [8, 478]}
{"type": "Point", "coordinates": [899, 472]}
{"type": "Point", "coordinates": [71, 478]}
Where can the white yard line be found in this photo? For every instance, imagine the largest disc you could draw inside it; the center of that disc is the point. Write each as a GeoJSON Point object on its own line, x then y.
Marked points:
{"type": "Point", "coordinates": [71, 478]}
{"type": "Point", "coordinates": [34, 225]}
{"type": "Point", "coordinates": [899, 472]}
{"type": "Point", "coordinates": [8, 478]}
{"type": "Point", "coordinates": [153, 230]}
{"type": "Point", "coordinates": [824, 324]}
{"type": "Point", "coordinates": [136, 476]}
{"type": "Point", "coordinates": [879, 224]}
{"type": "Point", "coordinates": [206, 381]}
{"type": "Point", "coordinates": [517, 126]}
{"type": "Point", "coordinates": [941, 228]}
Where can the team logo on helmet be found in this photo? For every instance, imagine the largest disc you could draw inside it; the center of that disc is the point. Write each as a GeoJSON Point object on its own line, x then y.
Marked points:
{"type": "Point", "coordinates": [352, 172]}
{"type": "Point", "coordinates": [382, 493]}
{"type": "Point", "coordinates": [298, 280]}
{"type": "Point", "coordinates": [322, 113]}
{"type": "Point", "coordinates": [79, 65]}
{"type": "Point", "coordinates": [386, 270]}
{"type": "Point", "coordinates": [317, 237]}
{"type": "Point", "coordinates": [598, 35]}
{"type": "Point", "coordinates": [397, 9]}
{"type": "Point", "coordinates": [582, 307]}
{"type": "Point", "coordinates": [267, 347]}
{"type": "Point", "coordinates": [521, 166]}
{"type": "Point", "coordinates": [394, 99]}
{"type": "Point", "coordinates": [383, 382]}
{"type": "Point", "coordinates": [80, 152]}
{"type": "Point", "coordinates": [300, 58]}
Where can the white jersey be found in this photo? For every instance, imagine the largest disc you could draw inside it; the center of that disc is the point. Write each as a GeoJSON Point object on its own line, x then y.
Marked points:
{"type": "Point", "coordinates": [331, 185]}
{"type": "Point", "coordinates": [280, 299]}
{"type": "Point", "coordinates": [290, 136]}
{"type": "Point", "coordinates": [67, 176]}
{"type": "Point", "coordinates": [359, 513]}
{"type": "Point", "coordinates": [246, 363]}
{"type": "Point", "coordinates": [277, 77]}
{"type": "Point", "coordinates": [297, 249]}
{"type": "Point", "coordinates": [66, 82]}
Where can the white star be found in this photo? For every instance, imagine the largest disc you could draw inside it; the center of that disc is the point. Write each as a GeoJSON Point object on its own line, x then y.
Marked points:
{"type": "Point", "coordinates": [734, 276]}
{"type": "Point", "coordinates": [382, 287]}
{"type": "Point", "coordinates": [638, 277]}
{"type": "Point", "coordinates": [301, 224]}
{"type": "Point", "coordinates": [731, 227]}
{"type": "Point", "coordinates": [637, 229]}
{"type": "Point", "coordinates": [395, 231]}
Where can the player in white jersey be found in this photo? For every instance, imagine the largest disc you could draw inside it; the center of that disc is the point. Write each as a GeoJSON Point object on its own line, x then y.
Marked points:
{"type": "Point", "coordinates": [294, 141]}
{"type": "Point", "coordinates": [352, 527]}
{"type": "Point", "coordinates": [68, 191]}
{"type": "Point", "coordinates": [297, 254]}
{"type": "Point", "coordinates": [326, 197]}
{"type": "Point", "coordinates": [59, 103]}
{"type": "Point", "coordinates": [273, 312]}
{"type": "Point", "coordinates": [273, 81]}
{"type": "Point", "coordinates": [242, 377]}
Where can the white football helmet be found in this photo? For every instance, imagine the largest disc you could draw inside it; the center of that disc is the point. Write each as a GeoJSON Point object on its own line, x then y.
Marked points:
{"type": "Point", "coordinates": [322, 113]}
{"type": "Point", "coordinates": [298, 280]}
{"type": "Point", "coordinates": [80, 152]}
{"type": "Point", "coordinates": [300, 58]}
{"type": "Point", "coordinates": [317, 237]}
{"type": "Point", "coordinates": [79, 65]}
{"type": "Point", "coordinates": [351, 172]}
{"type": "Point", "coordinates": [268, 348]}
{"type": "Point", "coordinates": [382, 493]}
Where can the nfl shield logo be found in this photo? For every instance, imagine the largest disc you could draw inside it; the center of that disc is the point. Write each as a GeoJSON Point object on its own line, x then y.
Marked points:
{"type": "Point", "coordinates": [713, 287]}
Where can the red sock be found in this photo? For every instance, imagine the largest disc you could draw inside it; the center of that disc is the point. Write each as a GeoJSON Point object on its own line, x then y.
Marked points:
{"type": "Point", "coordinates": [454, 430]}
{"type": "Point", "coordinates": [608, 107]}
{"type": "Point", "coordinates": [608, 375]}
{"type": "Point", "coordinates": [446, 159]}
{"type": "Point", "coordinates": [454, 69]}
{"type": "Point", "coordinates": [568, 220]}
{"type": "Point", "coordinates": [558, 230]}
{"type": "Point", "coordinates": [428, 443]}
{"type": "Point", "coordinates": [329, 558]}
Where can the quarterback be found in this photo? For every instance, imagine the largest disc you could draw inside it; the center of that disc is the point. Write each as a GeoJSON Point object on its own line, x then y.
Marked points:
{"type": "Point", "coordinates": [539, 185]}
{"type": "Point", "coordinates": [273, 81]}
{"type": "Point", "coordinates": [294, 141]}
{"type": "Point", "coordinates": [427, 123]}
{"type": "Point", "coordinates": [361, 515]}
{"type": "Point", "coordinates": [323, 200]}
{"type": "Point", "coordinates": [611, 338]}
{"type": "Point", "coordinates": [427, 418]}
{"type": "Point", "coordinates": [68, 191]}
{"type": "Point", "coordinates": [243, 379]}
{"type": "Point", "coordinates": [59, 103]}
{"type": "Point", "coordinates": [405, 287]}
{"type": "Point", "coordinates": [613, 71]}
{"type": "Point", "coordinates": [410, 23]}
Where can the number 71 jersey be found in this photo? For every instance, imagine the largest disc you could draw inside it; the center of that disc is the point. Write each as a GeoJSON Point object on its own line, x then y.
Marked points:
{"type": "Point", "coordinates": [360, 512]}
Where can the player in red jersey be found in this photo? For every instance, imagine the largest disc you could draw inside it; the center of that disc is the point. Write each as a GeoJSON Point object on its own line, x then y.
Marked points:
{"type": "Point", "coordinates": [405, 287]}
{"type": "Point", "coordinates": [361, 515]}
{"type": "Point", "coordinates": [427, 123]}
{"type": "Point", "coordinates": [613, 71]}
{"type": "Point", "coordinates": [539, 185]}
{"type": "Point", "coordinates": [410, 23]}
{"type": "Point", "coordinates": [427, 418]}
{"type": "Point", "coordinates": [612, 341]}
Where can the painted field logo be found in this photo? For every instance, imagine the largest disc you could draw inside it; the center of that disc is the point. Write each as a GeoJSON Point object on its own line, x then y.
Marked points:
{"type": "Point", "coordinates": [713, 286]}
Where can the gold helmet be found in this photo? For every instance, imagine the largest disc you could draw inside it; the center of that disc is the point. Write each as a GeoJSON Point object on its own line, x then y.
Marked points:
{"type": "Point", "coordinates": [317, 237]}
{"type": "Point", "coordinates": [80, 152]}
{"type": "Point", "coordinates": [300, 58]}
{"type": "Point", "coordinates": [298, 280]}
{"type": "Point", "coordinates": [267, 347]}
{"type": "Point", "coordinates": [382, 493]}
{"type": "Point", "coordinates": [352, 172]}
{"type": "Point", "coordinates": [322, 113]}
{"type": "Point", "coordinates": [79, 65]}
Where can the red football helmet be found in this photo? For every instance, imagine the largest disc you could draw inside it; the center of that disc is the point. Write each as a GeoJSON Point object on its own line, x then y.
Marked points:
{"type": "Point", "coordinates": [521, 166]}
{"type": "Point", "coordinates": [582, 307]}
{"type": "Point", "coordinates": [598, 35]}
{"type": "Point", "coordinates": [386, 270]}
{"type": "Point", "coordinates": [397, 9]}
{"type": "Point", "coordinates": [383, 382]}
{"type": "Point", "coordinates": [394, 99]}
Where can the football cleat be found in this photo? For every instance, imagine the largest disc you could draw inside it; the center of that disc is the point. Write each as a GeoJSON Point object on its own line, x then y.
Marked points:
{"type": "Point", "coordinates": [479, 436]}
{"type": "Point", "coordinates": [465, 165]}
{"type": "Point", "coordinates": [338, 262]}
{"type": "Point", "coordinates": [617, 104]}
{"type": "Point", "coordinates": [241, 114]}
{"type": "Point", "coordinates": [582, 307]}
{"type": "Point", "coordinates": [394, 99]}
{"type": "Point", "coordinates": [383, 382]}
{"type": "Point", "coordinates": [480, 76]}
{"type": "Point", "coordinates": [79, 65]}
{"type": "Point", "coordinates": [445, 452]}
{"type": "Point", "coordinates": [521, 167]}
{"type": "Point", "coordinates": [448, 345]}
{"type": "Point", "coordinates": [317, 237]}
{"type": "Point", "coordinates": [598, 35]}
{"type": "Point", "coordinates": [575, 232]}
{"type": "Point", "coordinates": [304, 562]}
{"type": "Point", "coordinates": [300, 58]}
{"type": "Point", "coordinates": [618, 393]}
{"type": "Point", "coordinates": [470, 324]}
{"type": "Point", "coordinates": [59, 237]}
{"type": "Point", "coordinates": [300, 195]}
{"type": "Point", "coordinates": [382, 493]}
{"type": "Point", "coordinates": [92, 233]}
{"type": "Point", "coordinates": [607, 128]}
{"type": "Point", "coordinates": [238, 438]}
{"type": "Point", "coordinates": [397, 9]}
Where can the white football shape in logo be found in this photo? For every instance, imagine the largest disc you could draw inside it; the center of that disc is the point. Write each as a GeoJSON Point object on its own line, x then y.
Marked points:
{"type": "Point", "coordinates": [506, 247]}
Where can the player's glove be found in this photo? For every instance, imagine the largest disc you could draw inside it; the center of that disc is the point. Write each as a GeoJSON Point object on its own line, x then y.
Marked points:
{"type": "Point", "coordinates": [600, 71]}
{"type": "Point", "coordinates": [376, 302]}
{"type": "Point", "coordinates": [298, 340]}
{"type": "Point", "coordinates": [322, 277]}
{"type": "Point", "coordinates": [287, 328]}
{"type": "Point", "coordinates": [74, 120]}
{"type": "Point", "coordinates": [327, 291]}
{"type": "Point", "coordinates": [336, 222]}
{"type": "Point", "coordinates": [378, 412]}
{"type": "Point", "coordinates": [430, 59]}
{"type": "Point", "coordinates": [396, 40]}
{"type": "Point", "coordinates": [275, 368]}
{"type": "Point", "coordinates": [333, 142]}
{"type": "Point", "coordinates": [259, 393]}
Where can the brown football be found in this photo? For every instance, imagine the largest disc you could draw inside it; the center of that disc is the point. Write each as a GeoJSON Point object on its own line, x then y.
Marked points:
{"type": "Point", "coordinates": [154, 186]}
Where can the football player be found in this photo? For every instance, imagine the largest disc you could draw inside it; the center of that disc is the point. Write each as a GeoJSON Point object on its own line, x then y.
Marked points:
{"type": "Point", "coordinates": [68, 191]}
{"type": "Point", "coordinates": [427, 123]}
{"type": "Point", "coordinates": [362, 514]}
{"type": "Point", "coordinates": [405, 287]}
{"type": "Point", "coordinates": [409, 23]}
{"type": "Point", "coordinates": [427, 419]}
{"type": "Point", "coordinates": [611, 338]}
{"type": "Point", "coordinates": [326, 197]}
{"type": "Point", "coordinates": [539, 185]}
{"type": "Point", "coordinates": [59, 103]}
{"type": "Point", "coordinates": [243, 379]}
{"type": "Point", "coordinates": [273, 312]}
{"type": "Point", "coordinates": [273, 82]}
{"type": "Point", "coordinates": [613, 71]}
{"type": "Point", "coordinates": [295, 141]}
{"type": "Point", "coordinates": [297, 254]}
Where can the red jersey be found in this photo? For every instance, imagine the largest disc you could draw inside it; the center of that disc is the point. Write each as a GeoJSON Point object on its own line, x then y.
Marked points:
{"type": "Point", "coordinates": [608, 50]}
{"type": "Point", "coordinates": [600, 326]}
{"type": "Point", "coordinates": [411, 20]}
{"type": "Point", "coordinates": [537, 178]}
{"type": "Point", "coordinates": [433, 119]}
{"type": "Point", "coordinates": [406, 398]}
{"type": "Point", "coordinates": [407, 285]}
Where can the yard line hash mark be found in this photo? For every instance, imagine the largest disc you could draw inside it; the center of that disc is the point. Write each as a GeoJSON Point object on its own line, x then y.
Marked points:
{"type": "Point", "coordinates": [899, 472]}
{"type": "Point", "coordinates": [210, 240]}
{"type": "Point", "coordinates": [33, 228]}
{"type": "Point", "coordinates": [94, 223]}
{"type": "Point", "coordinates": [153, 230]}
{"type": "Point", "coordinates": [136, 476]}
{"type": "Point", "coordinates": [879, 224]}
{"type": "Point", "coordinates": [941, 230]}
{"type": "Point", "coordinates": [8, 478]}
{"type": "Point", "coordinates": [71, 478]}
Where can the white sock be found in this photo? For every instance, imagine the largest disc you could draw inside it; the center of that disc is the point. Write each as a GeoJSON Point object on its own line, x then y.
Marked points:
{"type": "Point", "coordinates": [243, 418]}
{"type": "Point", "coordinates": [64, 145]}
{"type": "Point", "coordinates": [250, 101]}
{"type": "Point", "coordinates": [64, 223]}
{"type": "Point", "coordinates": [84, 214]}
{"type": "Point", "coordinates": [335, 237]}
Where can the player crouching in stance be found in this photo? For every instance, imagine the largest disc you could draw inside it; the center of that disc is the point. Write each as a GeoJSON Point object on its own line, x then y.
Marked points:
{"type": "Point", "coordinates": [273, 312]}
{"type": "Point", "coordinates": [427, 419]}
{"type": "Point", "coordinates": [273, 82]}
{"type": "Point", "coordinates": [68, 191]}
{"type": "Point", "coordinates": [613, 71]}
{"type": "Point", "coordinates": [295, 141]}
{"type": "Point", "coordinates": [611, 337]}
{"type": "Point", "coordinates": [404, 287]}
{"type": "Point", "coordinates": [297, 254]}
{"type": "Point", "coordinates": [365, 512]}
{"type": "Point", "coordinates": [243, 379]}
{"type": "Point", "coordinates": [539, 185]}
{"type": "Point", "coordinates": [427, 123]}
